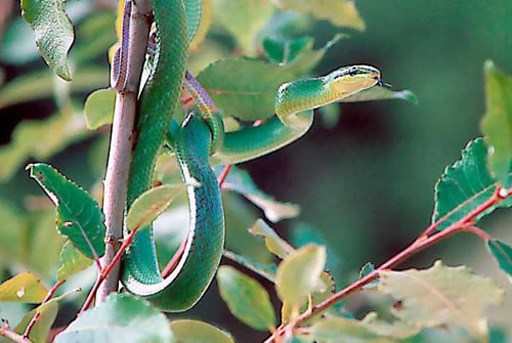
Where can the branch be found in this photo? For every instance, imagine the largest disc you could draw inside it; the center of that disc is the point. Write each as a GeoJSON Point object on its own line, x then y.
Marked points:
{"type": "Point", "coordinates": [426, 239]}
{"type": "Point", "coordinates": [116, 179]}
{"type": "Point", "coordinates": [6, 331]}
{"type": "Point", "coordinates": [37, 315]}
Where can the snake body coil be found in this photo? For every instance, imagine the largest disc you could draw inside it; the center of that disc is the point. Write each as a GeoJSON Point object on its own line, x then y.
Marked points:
{"type": "Point", "coordinates": [201, 140]}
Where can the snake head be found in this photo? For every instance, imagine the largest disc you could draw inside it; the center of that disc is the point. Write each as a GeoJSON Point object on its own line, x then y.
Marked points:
{"type": "Point", "coordinates": [352, 79]}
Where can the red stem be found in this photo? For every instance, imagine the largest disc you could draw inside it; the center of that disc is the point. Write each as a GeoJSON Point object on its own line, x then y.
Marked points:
{"type": "Point", "coordinates": [225, 172]}
{"type": "Point", "coordinates": [6, 331]}
{"type": "Point", "coordinates": [37, 315]}
{"type": "Point", "coordinates": [428, 238]}
{"type": "Point", "coordinates": [106, 271]}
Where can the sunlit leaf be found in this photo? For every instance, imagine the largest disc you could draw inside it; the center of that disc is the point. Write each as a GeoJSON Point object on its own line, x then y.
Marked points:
{"type": "Point", "coordinates": [40, 331]}
{"type": "Point", "coordinates": [464, 186]}
{"type": "Point", "coordinates": [99, 108]}
{"type": "Point", "coordinates": [244, 88]}
{"type": "Point", "coordinates": [71, 262]}
{"type": "Point", "coordinates": [121, 318]}
{"type": "Point", "coordinates": [273, 242]}
{"type": "Point", "coordinates": [194, 331]}
{"type": "Point", "coordinates": [246, 298]}
{"type": "Point", "coordinates": [243, 19]}
{"type": "Point", "coordinates": [502, 252]}
{"type": "Point", "coordinates": [441, 295]}
{"type": "Point", "coordinates": [497, 122]}
{"type": "Point", "coordinates": [338, 12]}
{"type": "Point", "coordinates": [299, 274]}
{"type": "Point", "coordinates": [240, 181]}
{"type": "Point", "coordinates": [24, 288]}
{"type": "Point", "coordinates": [151, 204]}
{"type": "Point", "coordinates": [78, 215]}
{"type": "Point", "coordinates": [54, 32]}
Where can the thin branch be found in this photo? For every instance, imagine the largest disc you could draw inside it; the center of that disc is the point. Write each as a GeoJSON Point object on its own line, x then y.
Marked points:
{"type": "Point", "coordinates": [116, 179]}
{"type": "Point", "coordinates": [484, 236]}
{"type": "Point", "coordinates": [37, 315]}
{"type": "Point", "coordinates": [224, 174]}
{"type": "Point", "coordinates": [106, 272]}
{"type": "Point", "coordinates": [6, 332]}
{"type": "Point", "coordinates": [426, 239]}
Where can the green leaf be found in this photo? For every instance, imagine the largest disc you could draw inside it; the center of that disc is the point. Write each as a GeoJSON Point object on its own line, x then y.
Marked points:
{"type": "Point", "coordinates": [244, 88]}
{"type": "Point", "coordinates": [78, 215]}
{"type": "Point", "coordinates": [309, 58]}
{"type": "Point", "coordinates": [370, 329]}
{"type": "Point", "coordinates": [194, 331]}
{"type": "Point", "coordinates": [54, 32]}
{"type": "Point", "coordinates": [441, 295]}
{"type": "Point", "coordinates": [285, 51]}
{"type": "Point", "coordinates": [243, 19]}
{"type": "Point", "coordinates": [464, 186]}
{"type": "Point", "coordinates": [336, 329]}
{"type": "Point", "coordinates": [296, 55]}
{"type": "Point", "coordinates": [40, 85]}
{"type": "Point", "coordinates": [502, 252]}
{"type": "Point", "coordinates": [338, 12]}
{"type": "Point", "coordinates": [240, 215]}
{"type": "Point", "coordinates": [267, 270]}
{"type": "Point", "coordinates": [299, 274]}
{"type": "Point", "coordinates": [121, 318]}
{"type": "Point", "coordinates": [273, 242]}
{"type": "Point", "coordinates": [151, 204]}
{"type": "Point", "coordinates": [381, 93]}
{"type": "Point", "coordinates": [99, 108]}
{"type": "Point", "coordinates": [497, 122]}
{"type": "Point", "coordinates": [246, 298]}
{"type": "Point", "coordinates": [24, 288]}
{"type": "Point", "coordinates": [53, 134]}
{"type": "Point", "coordinates": [40, 331]}
{"type": "Point", "coordinates": [240, 181]}
{"type": "Point", "coordinates": [71, 262]}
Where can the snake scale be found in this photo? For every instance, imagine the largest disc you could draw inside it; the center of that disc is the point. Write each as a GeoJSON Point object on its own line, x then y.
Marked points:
{"type": "Point", "coordinates": [199, 141]}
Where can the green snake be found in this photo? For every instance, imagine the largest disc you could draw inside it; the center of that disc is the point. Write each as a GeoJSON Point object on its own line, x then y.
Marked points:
{"type": "Point", "coordinates": [199, 141]}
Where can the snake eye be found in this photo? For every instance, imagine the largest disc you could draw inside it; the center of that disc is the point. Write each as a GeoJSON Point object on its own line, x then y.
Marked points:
{"type": "Point", "coordinates": [353, 71]}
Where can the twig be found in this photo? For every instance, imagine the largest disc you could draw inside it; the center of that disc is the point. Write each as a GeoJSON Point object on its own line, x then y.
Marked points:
{"type": "Point", "coordinates": [116, 179]}
{"type": "Point", "coordinates": [6, 331]}
{"type": "Point", "coordinates": [37, 315]}
{"type": "Point", "coordinates": [426, 239]}
{"type": "Point", "coordinates": [484, 236]}
{"type": "Point", "coordinates": [224, 174]}
{"type": "Point", "coordinates": [108, 270]}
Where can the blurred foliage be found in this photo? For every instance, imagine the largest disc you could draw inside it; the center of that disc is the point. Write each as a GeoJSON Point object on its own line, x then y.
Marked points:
{"type": "Point", "coordinates": [363, 179]}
